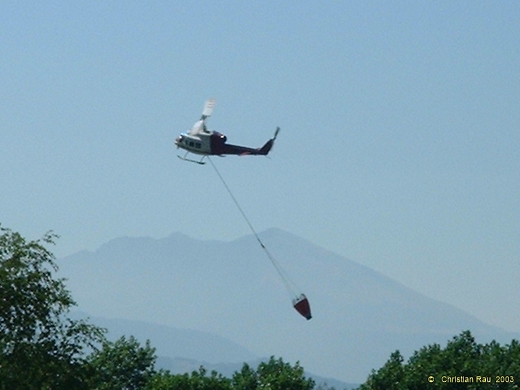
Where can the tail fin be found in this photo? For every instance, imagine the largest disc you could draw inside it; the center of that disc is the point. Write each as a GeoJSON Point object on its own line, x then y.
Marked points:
{"type": "Point", "coordinates": [264, 150]}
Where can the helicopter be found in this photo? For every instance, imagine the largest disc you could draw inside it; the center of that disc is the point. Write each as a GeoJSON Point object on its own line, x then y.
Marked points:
{"type": "Point", "coordinates": [199, 140]}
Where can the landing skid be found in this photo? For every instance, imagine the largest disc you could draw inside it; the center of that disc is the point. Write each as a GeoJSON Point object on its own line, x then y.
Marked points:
{"type": "Point", "coordinates": [193, 161]}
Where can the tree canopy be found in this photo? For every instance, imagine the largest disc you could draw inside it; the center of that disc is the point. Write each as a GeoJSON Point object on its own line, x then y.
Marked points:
{"type": "Point", "coordinates": [39, 347]}
{"type": "Point", "coordinates": [275, 374]}
{"type": "Point", "coordinates": [462, 364]}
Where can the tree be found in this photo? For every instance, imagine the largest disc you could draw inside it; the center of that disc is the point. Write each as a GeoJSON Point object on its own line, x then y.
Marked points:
{"type": "Point", "coordinates": [462, 364]}
{"type": "Point", "coordinates": [274, 375]}
{"type": "Point", "coordinates": [39, 347]}
{"type": "Point", "coordinates": [246, 379]}
{"type": "Point", "coordinates": [122, 364]}
{"type": "Point", "coordinates": [197, 380]}
{"type": "Point", "coordinates": [389, 376]}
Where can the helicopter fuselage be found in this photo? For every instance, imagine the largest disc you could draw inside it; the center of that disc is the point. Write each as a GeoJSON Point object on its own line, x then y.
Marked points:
{"type": "Point", "coordinates": [205, 143]}
{"type": "Point", "coordinates": [200, 140]}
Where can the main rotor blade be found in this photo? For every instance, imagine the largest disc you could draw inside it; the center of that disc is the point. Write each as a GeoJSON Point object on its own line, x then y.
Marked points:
{"type": "Point", "coordinates": [208, 108]}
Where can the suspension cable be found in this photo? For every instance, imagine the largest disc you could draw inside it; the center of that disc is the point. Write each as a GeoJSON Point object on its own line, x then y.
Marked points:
{"type": "Point", "coordinates": [289, 284]}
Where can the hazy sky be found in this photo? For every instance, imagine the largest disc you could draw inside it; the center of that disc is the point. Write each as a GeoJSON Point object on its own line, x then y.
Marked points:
{"type": "Point", "coordinates": [399, 144]}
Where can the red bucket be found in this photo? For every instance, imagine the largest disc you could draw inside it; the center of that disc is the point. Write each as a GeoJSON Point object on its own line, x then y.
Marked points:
{"type": "Point", "coordinates": [302, 306]}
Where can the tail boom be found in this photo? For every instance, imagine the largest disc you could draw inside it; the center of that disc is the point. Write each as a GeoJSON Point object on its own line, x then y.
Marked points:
{"type": "Point", "coordinates": [220, 147]}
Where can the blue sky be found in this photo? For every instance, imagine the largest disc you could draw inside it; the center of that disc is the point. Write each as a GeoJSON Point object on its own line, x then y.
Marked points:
{"type": "Point", "coordinates": [399, 144]}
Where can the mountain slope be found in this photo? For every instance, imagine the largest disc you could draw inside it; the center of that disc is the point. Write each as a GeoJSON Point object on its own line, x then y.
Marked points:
{"type": "Point", "coordinates": [231, 289]}
{"type": "Point", "coordinates": [175, 342]}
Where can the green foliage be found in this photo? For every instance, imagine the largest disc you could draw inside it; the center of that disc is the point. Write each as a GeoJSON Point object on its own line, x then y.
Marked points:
{"type": "Point", "coordinates": [389, 376]}
{"type": "Point", "coordinates": [246, 379]}
{"type": "Point", "coordinates": [462, 359]}
{"type": "Point", "coordinates": [277, 375]}
{"type": "Point", "coordinates": [197, 380]}
{"type": "Point", "coordinates": [39, 347]}
{"type": "Point", "coordinates": [273, 375]}
{"type": "Point", "coordinates": [123, 364]}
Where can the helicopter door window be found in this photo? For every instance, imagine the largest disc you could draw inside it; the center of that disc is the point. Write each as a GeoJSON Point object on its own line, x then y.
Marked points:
{"type": "Point", "coordinates": [197, 145]}
{"type": "Point", "coordinates": [191, 143]}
